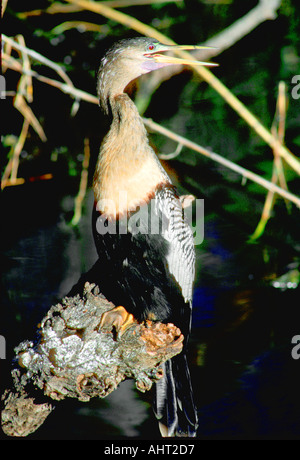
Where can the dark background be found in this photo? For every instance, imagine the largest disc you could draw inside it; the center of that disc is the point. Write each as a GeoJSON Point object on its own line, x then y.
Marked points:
{"type": "Point", "coordinates": [246, 382]}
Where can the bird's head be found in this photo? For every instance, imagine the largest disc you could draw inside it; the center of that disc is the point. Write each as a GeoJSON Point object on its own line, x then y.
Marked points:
{"type": "Point", "coordinates": [130, 58]}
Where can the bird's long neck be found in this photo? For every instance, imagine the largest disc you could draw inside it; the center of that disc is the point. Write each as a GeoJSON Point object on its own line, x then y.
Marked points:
{"type": "Point", "coordinates": [127, 172]}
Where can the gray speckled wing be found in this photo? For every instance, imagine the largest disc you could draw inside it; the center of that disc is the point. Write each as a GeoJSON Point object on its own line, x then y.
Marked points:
{"type": "Point", "coordinates": [176, 230]}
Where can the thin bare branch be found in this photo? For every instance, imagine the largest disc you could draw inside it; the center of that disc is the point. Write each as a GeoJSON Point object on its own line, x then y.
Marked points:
{"type": "Point", "coordinates": [27, 113]}
{"type": "Point", "coordinates": [3, 6]}
{"type": "Point", "coordinates": [81, 25]}
{"type": "Point", "coordinates": [278, 130]}
{"type": "Point", "coordinates": [122, 18]}
{"type": "Point", "coordinates": [20, 180]}
{"type": "Point", "coordinates": [65, 88]}
{"type": "Point", "coordinates": [172, 155]}
{"type": "Point", "coordinates": [38, 57]}
{"type": "Point", "coordinates": [57, 7]}
{"type": "Point", "coordinates": [264, 10]}
{"type": "Point", "coordinates": [83, 183]}
{"type": "Point", "coordinates": [54, 8]}
{"type": "Point", "coordinates": [11, 170]}
{"type": "Point", "coordinates": [224, 40]}
{"type": "Point", "coordinates": [26, 64]}
{"type": "Point", "coordinates": [219, 159]}
{"type": "Point", "coordinates": [17, 150]}
{"type": "Point", "coordinates": [211, 79]}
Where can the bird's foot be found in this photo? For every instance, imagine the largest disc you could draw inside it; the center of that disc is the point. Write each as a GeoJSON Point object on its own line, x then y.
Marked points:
{"type": "Point", "coordinates": [117, 318]}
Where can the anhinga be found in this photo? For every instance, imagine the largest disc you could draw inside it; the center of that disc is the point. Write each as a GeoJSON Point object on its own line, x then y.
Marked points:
{"type": "Point", "coordinates": [148, 273]}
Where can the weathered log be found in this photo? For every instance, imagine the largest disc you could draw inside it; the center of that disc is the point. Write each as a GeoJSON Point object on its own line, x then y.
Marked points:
{"type": "Point", "coordinates": [72, 357]}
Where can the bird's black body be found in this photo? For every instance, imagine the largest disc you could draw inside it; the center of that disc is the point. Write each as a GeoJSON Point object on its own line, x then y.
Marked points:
{"type": "Point", "coordinates": [145, 246]}
{"type": "Point", "coordinates": [135, 271]}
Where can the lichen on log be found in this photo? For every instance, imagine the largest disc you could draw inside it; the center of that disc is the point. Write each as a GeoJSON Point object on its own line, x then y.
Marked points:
{"type": "Point", "coordinates": [73, 357]}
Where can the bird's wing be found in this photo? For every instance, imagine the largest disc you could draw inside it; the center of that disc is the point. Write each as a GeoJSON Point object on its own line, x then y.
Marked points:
{"type": "Point", "coordinates": [176, 230]}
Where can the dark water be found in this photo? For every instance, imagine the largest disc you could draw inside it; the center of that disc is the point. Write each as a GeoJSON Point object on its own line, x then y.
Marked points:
{"type": "Point", "coordinates": [246, 381]}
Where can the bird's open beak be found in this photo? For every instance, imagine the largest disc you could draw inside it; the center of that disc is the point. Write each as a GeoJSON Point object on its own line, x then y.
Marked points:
{"type": "Point", "coordinates": [164, 59]}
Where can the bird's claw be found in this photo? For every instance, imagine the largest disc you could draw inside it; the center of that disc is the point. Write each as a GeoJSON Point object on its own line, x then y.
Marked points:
{"type": "Point", "coordinates": [117, 318]}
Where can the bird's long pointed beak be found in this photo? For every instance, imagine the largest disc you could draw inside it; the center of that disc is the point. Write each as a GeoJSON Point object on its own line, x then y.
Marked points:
{"type": "Point", "coordinates": [164, 59]}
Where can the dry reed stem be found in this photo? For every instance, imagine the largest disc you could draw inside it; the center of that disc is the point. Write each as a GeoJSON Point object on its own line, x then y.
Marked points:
{"type": "Point", "coordinates": [24, 92]}
{"type": "Point", "coordinates": [83, 183]}
{"type": "Point", "coordinates": [278, 130]}
{"type": "Point", "coordinates": [57, 7]}
{"type": "Point", "coordinates": [221, 160]}
{"type": "Point", "coordinates": [40, 58]}
{"type": "Point", "coordinates": [28, 89]}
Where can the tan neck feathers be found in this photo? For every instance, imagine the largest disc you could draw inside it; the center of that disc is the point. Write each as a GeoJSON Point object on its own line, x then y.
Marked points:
{"type": "Point", "coordinates": [128, 171]}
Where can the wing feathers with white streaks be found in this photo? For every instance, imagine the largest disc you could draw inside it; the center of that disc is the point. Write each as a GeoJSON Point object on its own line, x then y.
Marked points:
{"type": "Point", "coordinates": [176, 230]}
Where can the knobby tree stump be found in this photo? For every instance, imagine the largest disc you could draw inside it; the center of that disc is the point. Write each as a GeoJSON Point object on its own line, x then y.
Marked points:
{"type": "Point", "coordinates": [72, 357]}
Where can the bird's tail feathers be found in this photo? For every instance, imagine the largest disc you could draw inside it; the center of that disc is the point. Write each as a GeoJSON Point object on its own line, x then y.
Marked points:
{"type": "Point", "coordinates": [173, 405]}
